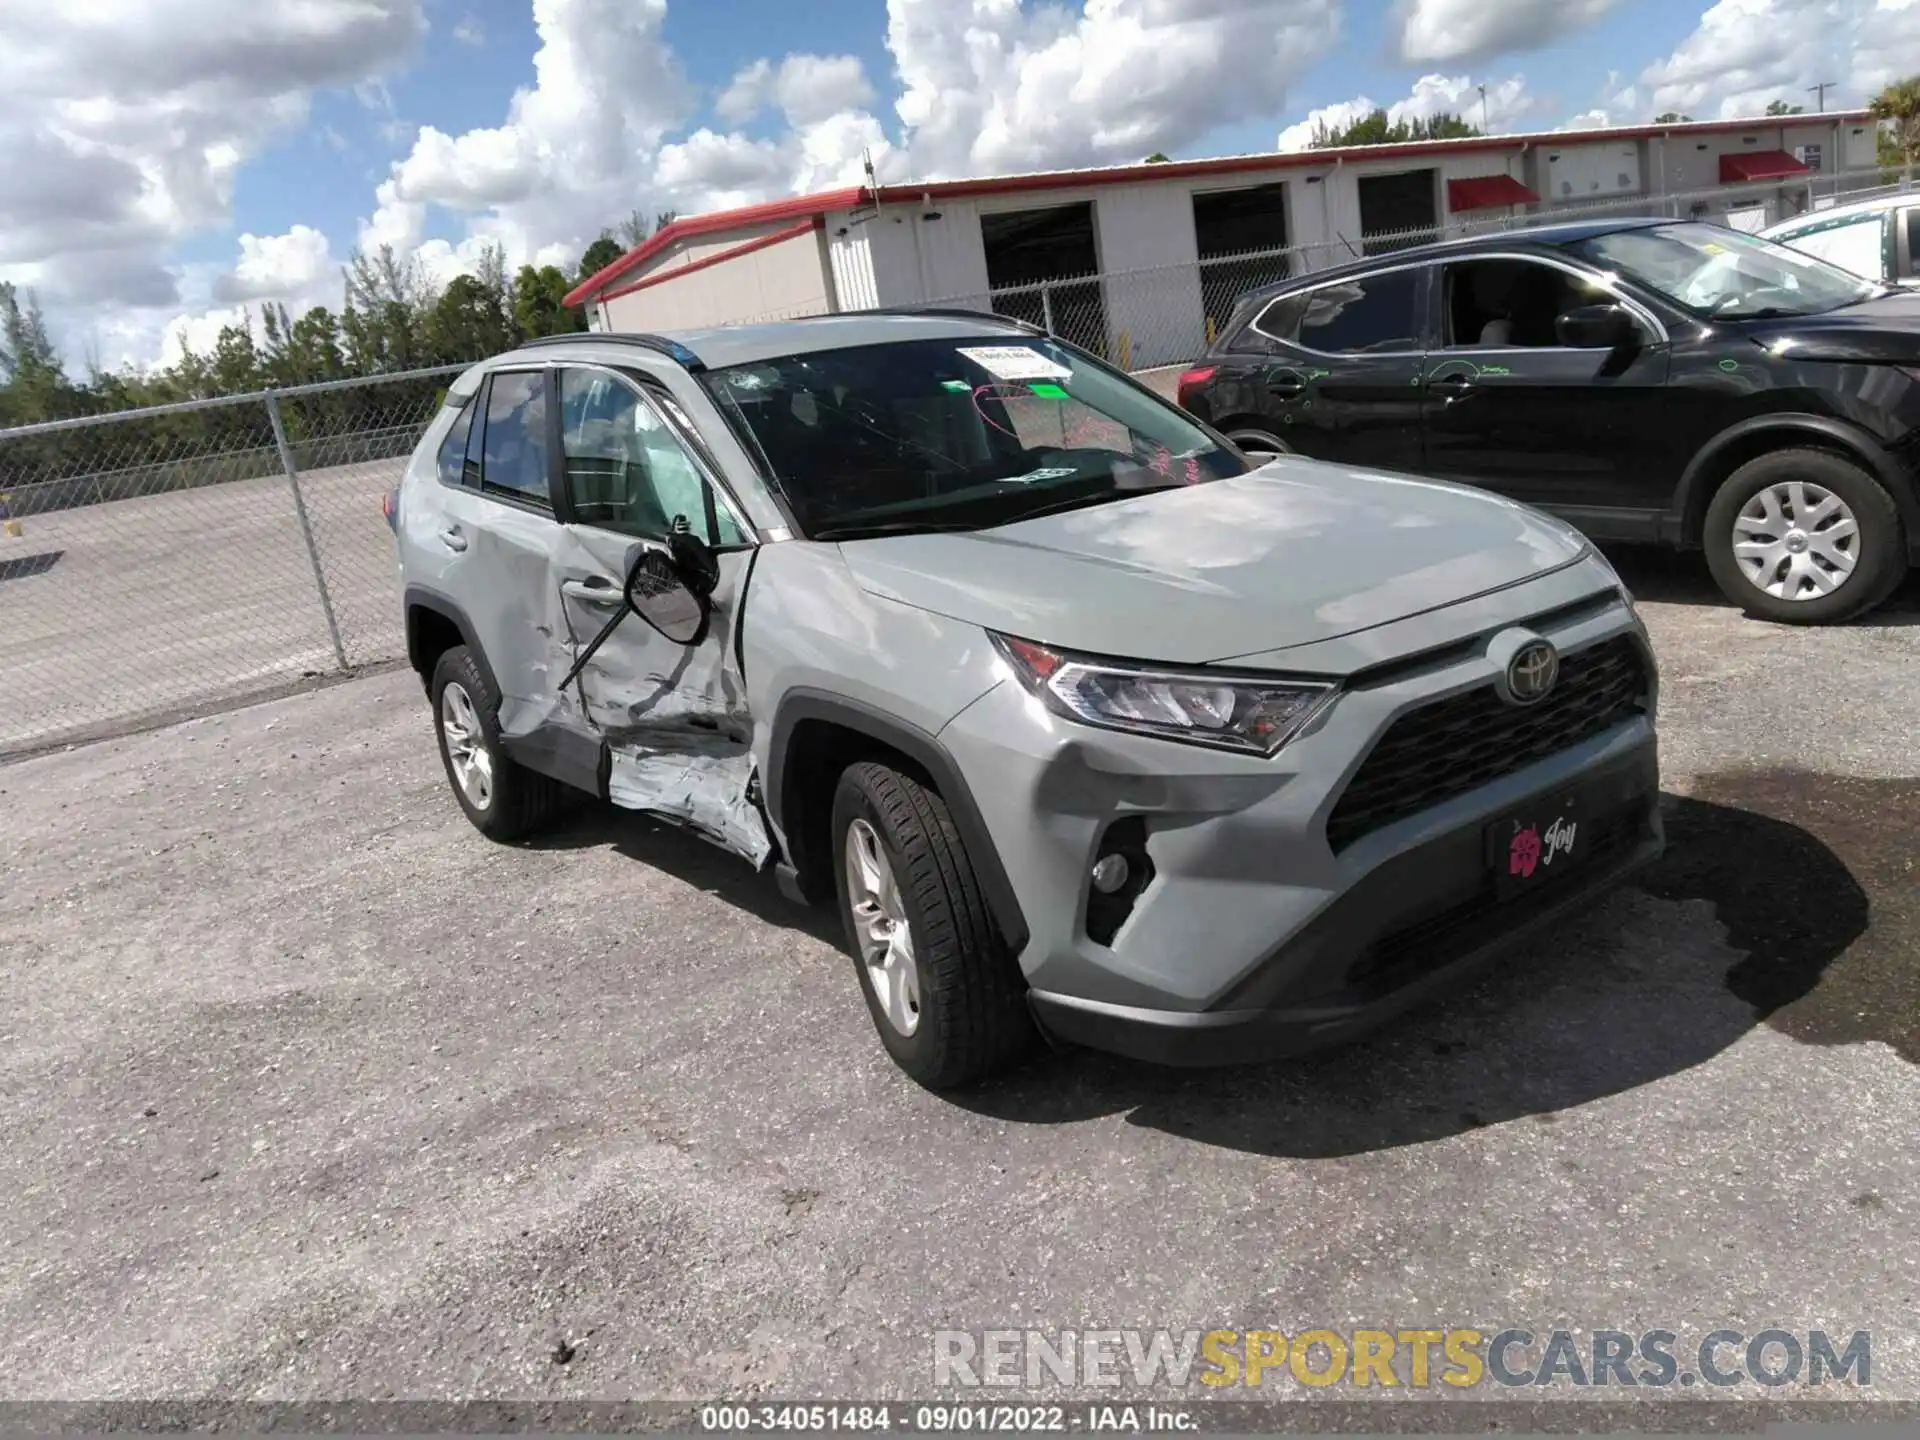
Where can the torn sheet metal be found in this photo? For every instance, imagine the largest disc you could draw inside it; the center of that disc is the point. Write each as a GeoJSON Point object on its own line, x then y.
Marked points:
{"type": "Point", "coordinates": [709, 790]}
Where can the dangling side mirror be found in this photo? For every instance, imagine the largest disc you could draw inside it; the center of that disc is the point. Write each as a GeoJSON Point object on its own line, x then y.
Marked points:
{"type": "Point", "coordinates": [662, 592]}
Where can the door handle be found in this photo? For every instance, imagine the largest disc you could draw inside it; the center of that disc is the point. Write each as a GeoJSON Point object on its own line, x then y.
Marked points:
{"type": "Point", "coordinates": [1285, 385]}
{"type": "Point", "coordinates": [453, 538]}
{"type": "Point", "coordinates": [594, 590]}
{"type": "Point", "coordinates": [1455, 382]}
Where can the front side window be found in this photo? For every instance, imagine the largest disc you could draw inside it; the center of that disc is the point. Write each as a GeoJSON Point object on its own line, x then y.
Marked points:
{"type": "Point", "coordinates": [513, 457]}
{"type": "Point", "coordinates": [1511, 304]}
{"type": "Point", "coordinates": [957, 434]}
{"type": "Point", "coordinates": [1369, 314]}
{"type": "Point", "coordinates": [1723, 274]}
{"type": "Point", "coordinates": [626, 470]}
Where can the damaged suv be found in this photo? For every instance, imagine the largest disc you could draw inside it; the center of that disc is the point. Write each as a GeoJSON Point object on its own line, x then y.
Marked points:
{"type": "Point", "coordinates": [1093, 727]}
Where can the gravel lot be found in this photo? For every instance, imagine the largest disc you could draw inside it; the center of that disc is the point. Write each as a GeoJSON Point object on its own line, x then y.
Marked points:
{"type": "Point", "coordinates": [309, 1091]}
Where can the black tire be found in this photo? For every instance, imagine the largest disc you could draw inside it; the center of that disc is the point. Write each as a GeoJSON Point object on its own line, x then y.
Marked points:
{"type": "Point", "coordinates": [973, 1020]}
{"type": "Point", "coordinates": [519, 801]}
{"type": "Point", "coordinates": [1256, 443]}
{"type": "Point", "coordinates": [1881, 545]}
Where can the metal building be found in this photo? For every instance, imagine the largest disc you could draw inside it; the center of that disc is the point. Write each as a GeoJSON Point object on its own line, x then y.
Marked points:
{"type": "Point", "coordinates": [1140, 261]}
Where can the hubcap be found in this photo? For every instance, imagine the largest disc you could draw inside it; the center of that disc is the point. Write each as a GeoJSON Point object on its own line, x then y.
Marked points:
{"type": "Point", "coordinates": [880, 924]}
{"type": "Point", "coordinates": [1796, 541]}
{"type": "Point", "coordinates": [467, 749]}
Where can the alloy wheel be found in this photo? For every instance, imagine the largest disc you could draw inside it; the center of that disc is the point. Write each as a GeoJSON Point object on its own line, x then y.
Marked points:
{"type": "Point", "coordinates": [882, 929]}
{"type": "Point", "coordinates": [467, 752]}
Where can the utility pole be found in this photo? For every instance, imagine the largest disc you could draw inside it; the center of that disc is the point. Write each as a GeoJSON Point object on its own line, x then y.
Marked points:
{"type": "Point", "coordinates": [1820, 90]}
{"type": "Point", "coordinates": [1488, 129]}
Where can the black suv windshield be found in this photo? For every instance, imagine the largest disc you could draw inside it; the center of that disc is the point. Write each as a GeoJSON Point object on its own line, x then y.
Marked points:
{"type": "Point", "coordinates": [1722, 273]}
{"type": "Point", "coordinates": [957, 434]}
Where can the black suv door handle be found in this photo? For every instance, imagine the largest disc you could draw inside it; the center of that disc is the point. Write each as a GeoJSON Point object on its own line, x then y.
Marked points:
{"type": "Point", "coordinates": [1455, 383]}
{"type": "Point", "coordinates": [1286, 384]}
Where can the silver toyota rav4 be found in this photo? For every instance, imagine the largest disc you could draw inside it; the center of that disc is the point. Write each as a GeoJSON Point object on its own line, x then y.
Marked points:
{"type": "Point", "coordinates": [1093, 729]}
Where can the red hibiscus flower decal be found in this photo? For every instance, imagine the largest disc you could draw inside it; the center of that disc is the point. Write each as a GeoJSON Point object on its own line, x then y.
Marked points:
{"type": "Point", "coordinates": [1524, 854]}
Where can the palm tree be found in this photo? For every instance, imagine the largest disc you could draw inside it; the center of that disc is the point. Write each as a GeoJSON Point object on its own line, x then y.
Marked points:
{"type": "Point", "coordinates": [1900, 103]}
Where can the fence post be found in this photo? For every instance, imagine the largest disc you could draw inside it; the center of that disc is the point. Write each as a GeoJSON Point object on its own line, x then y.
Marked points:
{"type": "Point", "coordinates": [306, 527]}
{"type": "Point", "coordinates": [1046, 308]}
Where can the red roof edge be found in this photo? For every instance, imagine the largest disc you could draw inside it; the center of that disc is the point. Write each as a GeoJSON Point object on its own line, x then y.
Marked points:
{"type": "Point", "coordinates": [747, 247]}
{"type": "Point", "coordinates": [793, 207]}
{"type": "Point", "coordinates": [808, 206]}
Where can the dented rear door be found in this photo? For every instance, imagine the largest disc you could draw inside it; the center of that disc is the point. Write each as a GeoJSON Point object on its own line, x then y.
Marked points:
{"type": "Point", "coordinates": [674, 717]}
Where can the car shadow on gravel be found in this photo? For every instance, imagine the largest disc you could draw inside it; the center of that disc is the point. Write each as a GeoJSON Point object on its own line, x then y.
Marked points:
{"type": "Point", "coordinates": [1785, 899]}
{"type": "Point", "coordinates": [1669, 577]}
{"type": "Point", "coordinates": [666, 848]}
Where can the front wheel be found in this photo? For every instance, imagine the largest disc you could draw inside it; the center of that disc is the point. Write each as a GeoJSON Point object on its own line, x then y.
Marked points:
{"type": "Point", "coordinates": [946, 997]}
{"type": "Point", "coordinates": [1804, 537]}
{"type": "Point", "coordinates": [504, 800]}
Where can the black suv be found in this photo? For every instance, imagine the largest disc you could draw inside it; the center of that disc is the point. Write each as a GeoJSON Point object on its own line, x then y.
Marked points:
{"type": "Point", "coordinates": [1648, 380]}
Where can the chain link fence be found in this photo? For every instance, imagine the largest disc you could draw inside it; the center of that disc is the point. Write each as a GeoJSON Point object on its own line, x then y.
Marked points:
{"type": "Point", "coordinates": [171, 558]}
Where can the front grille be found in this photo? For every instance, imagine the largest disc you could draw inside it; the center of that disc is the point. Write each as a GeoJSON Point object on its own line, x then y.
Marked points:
{"type": "Point", "coordinates": [1458, 744]}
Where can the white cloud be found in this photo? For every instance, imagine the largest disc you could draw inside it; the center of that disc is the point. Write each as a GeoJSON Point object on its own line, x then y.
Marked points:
{"type": "Point", "coordinates": [470, 31]}
{"type": "Point", "coordinates": [1442, 31]}
{"type": "Point", "coordinates": [127, 122]}
{"type": "Point", "coordinates": [810, 88]}
{"type": "Point", "coordinates": [748, 93]}
{"type": "Point", "coordinates": [575, 150]}
{"type": "Point", "coordinates": [1506, 101]}
{"type": "Point", "coordinates": [1746, 53]}
{"type": "Point", "coordinates": [1586, 120]}
{"type": "Point", "coordinates": [989, 85]}
{"type": "Point", "coordinates": [279, 267]}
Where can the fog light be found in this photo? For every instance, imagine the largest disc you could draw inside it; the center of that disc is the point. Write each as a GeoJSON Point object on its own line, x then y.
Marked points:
{"type": "Point", "coordinates": [1110, 874]}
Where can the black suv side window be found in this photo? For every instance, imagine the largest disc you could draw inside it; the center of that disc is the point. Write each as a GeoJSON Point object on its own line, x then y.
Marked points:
{"type": "Point", "coordinates": [1510, 304]}
{"type": "Point", "coordinates": [513, 451]}
{"type": "Point", "coordinates": [454, 469]}
{"type": "Point", "coordinates": [1369, 314]}
{"type": "Point", "coordinates": [626, 469]}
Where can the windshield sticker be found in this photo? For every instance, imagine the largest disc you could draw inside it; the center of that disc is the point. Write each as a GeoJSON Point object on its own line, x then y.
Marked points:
{"type": "Point", "coordinates": [1048, 391]}
{"type": "Point", "coordinates": [1034, 477]}
{"type": "Point", "coordinates": [958, 386]}
{"type": "Point", "coordinates": [1015, 362]}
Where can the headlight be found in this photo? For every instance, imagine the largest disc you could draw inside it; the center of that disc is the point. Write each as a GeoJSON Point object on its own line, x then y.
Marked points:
{"type": "Point", "coordinates": [1256, 714]}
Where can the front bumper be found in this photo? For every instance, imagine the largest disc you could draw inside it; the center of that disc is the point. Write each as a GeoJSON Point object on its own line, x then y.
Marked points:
{"type": "Point", "coordinates": [1418, 926]}
{"type": "Point", "coordinates": [1256, 936]}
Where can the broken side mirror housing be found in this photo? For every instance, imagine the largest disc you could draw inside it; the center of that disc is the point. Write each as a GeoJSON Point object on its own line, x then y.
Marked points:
{"type": "Point", "coordinates": [660, 593]}
{"type": "Point", "coordinates": [1596, 327]}
{"type": "Point", "coordinates": [699, 567]}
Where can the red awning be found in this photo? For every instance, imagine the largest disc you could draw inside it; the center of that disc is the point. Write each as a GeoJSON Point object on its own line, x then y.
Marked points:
{"type": "Point", "coordinates": [1759, 165]}
{"type": "Point", "coordinates": [1483, 192]}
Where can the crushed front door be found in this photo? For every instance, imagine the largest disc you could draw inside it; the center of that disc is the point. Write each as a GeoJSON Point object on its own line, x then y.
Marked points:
{"type": "Point", "coordinates": [674, 717]}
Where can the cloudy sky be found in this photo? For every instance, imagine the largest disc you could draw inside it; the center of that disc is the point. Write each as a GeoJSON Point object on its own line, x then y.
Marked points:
{"type": "Point", "coordinates": [169, 161]}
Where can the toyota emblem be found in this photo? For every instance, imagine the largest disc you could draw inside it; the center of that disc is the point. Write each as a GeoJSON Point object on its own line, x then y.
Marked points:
{"type": "Point", "coordinates": [1531, 672]}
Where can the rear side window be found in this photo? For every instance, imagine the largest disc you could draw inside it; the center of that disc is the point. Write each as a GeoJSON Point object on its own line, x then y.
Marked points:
{"type": "Point", "coordinates": [1367, 314]}
{"type": "Point", "coordinates": [513, 457]}
{"type": "Point", "coordinates": [1855, 245]}
{"type": "Point", "coordinates": [453, 451]}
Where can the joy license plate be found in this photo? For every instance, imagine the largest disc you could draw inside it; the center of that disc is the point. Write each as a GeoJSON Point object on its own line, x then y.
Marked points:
{"type": "Point", "coordinates": [1529, 847]}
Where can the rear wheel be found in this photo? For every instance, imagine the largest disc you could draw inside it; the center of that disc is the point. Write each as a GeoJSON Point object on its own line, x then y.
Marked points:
{"type": "Point", "coordinates": [945, 995]}
{"type": "Point", "coordinates": [505, 801]}
{"type": "Point", "coordinates": [1804, 537]}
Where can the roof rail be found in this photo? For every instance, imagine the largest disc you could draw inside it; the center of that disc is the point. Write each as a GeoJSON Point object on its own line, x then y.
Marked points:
{"type": "Point", "coordinates": [954, 312]}
{"type": "Point", "coordinates": [659, 344]}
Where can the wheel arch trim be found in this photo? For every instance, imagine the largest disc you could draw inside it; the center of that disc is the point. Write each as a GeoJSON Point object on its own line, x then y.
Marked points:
{"type": "Point", "coordinates": [1689, 507]}
{"type": "Point", "coordinates": [423, 597]}
{"type": "Point", "coordinates": [926, 751]}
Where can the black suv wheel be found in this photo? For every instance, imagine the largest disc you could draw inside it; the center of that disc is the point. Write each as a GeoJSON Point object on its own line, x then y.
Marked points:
{"type": "Point", "coordinates": [1804, 537]}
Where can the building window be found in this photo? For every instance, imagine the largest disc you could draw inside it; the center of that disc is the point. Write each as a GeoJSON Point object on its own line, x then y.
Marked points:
{"type": "Point", "coordinates": [1239, 234]}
